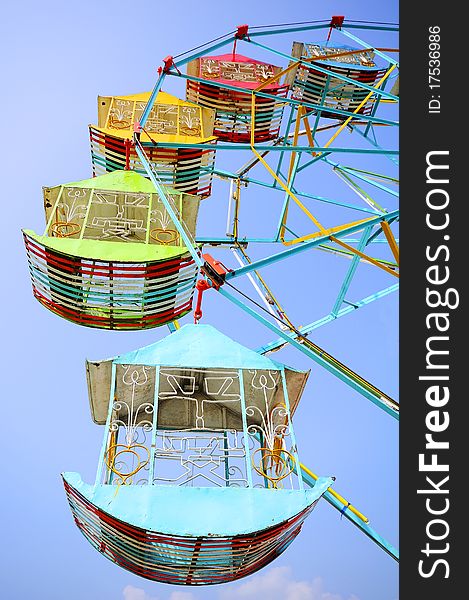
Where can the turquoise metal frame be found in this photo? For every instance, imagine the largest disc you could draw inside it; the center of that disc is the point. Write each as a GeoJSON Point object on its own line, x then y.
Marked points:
{"type": "Point", "coordinates": [371, 233]}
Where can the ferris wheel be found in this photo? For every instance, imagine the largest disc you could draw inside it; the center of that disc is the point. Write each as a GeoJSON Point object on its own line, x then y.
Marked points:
{"type": "Point", "coordinates": [299, 140]}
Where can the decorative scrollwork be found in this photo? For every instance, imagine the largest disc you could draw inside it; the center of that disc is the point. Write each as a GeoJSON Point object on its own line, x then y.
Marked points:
{"type": "Point", "coordinates": [64, 229]}
{"type": "Point", "coordinates": [167, 237]}
{"type": "Point", "coordinates": [119, 456]}
{"type": "Point", "coordinates": [274, 464]}
{"type": "Point", "coordinates": [127, 457]}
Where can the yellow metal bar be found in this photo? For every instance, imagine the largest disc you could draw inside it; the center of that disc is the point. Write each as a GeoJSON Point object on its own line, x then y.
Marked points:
{"type": "Point", "coordinates": [329, 231]}
{"type": "Point", "coordinates": [365, 256]}
{"type": "Point", "coordinates": [309, 133]}
{"type": "Point", "coordinates": [237, 198]}
{"type": "Point", "coordinates": [362, 103]}
{"type": "Point", "coordinates": [391, 239]}
{"type": "Point", "coordinates": [270, 170]}
{"type": "Point", "coordinates": [337, 496]}
{"type": "Point", "coordinates": [300, 112]}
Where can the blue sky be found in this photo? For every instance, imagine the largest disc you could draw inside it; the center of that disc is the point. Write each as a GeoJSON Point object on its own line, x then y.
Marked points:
{"type": "Point", "coordinates": [57, 57]}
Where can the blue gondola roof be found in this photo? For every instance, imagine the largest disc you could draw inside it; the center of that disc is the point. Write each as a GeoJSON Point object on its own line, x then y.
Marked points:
{"type": "Point", "coordinates": [198, 346]}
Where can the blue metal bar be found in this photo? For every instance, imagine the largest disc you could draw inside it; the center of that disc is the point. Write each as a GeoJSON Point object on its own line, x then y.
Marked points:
{"type": "Point", "coordinates": [262, 147]}
{"type": "Point", "coordinates": [161, 193]}
{"type": "Point", "coordinates": [278, 343]}
{"type": "Point", "coordinates": [376, 145]}
{"type": "Point", "coordinates": [369, 211]}
{"type": "Point", "coordinates": [313, 160]}
{"type": "Point", "coordinates": [245, 428]}
{"type": "Point", "coordinates": [370, 181]}
{"type": "Point", "coordinates": [286, 200]}
{"type": "Point", "coordinates": [99, 471]}
{"type": "Point", "coordinates": [204, 52]}
{"type": "Point", "coordinates": [285, 142]}
{"type": "Point", "coordinates": [230, 240]}
{"type": "Point", "coordinates": [151, 100]}
{"type": "Point", "coordinates": [372, 27]}
{"type": "Point", "coordinates": [325, 25]}
{"type": "Point", "coordinates": [352, 517]}
{"type": "Point", "coordinates": [294, 448]}
{"type": "Point", "coordinates": [362, 43]}
{"type": "Point", "coordinates": [376, 398]}
{"type": "Point", "coordinates": [301, 247]}
{"type": "Point", "coordinates": [151, 473]}
{"type": "Point", "coordinates": [252, 34]}
{"type": "Point", "coordinates": [350, 273]}
{"type": "Point", "coordinates": [317, 67]}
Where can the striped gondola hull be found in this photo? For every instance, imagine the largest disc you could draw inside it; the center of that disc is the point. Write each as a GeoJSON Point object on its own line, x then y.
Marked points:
{"type": "Point", "coordinates": [181, 559]}
{"type": "Point", "coordinates": [315, 87]}
{"type": "Point", "coordinates": [111, 294]}
{"type": "Point", "coordinates": [233, 120]}
{"type": "Point", "coordinates": [187, 170]}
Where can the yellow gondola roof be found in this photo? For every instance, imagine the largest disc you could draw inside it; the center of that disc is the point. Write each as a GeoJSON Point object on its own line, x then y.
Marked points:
{"type": "Point", "coordinates": [171, 119]}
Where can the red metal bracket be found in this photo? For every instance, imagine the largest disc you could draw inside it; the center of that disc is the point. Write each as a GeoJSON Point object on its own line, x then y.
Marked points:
{"type": "Point", "coordinates": [215, 270]}
{"type": "Point", "coordinates": [201, 285]}
{"type": "Point", "coordinates": [168, 63]}
{"type": "Point", "coordinates": [241, 32]}
{"type": "Point", "coordinates": [337, 21]}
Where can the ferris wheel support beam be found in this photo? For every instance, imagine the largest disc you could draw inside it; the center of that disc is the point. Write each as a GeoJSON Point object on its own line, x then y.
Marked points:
{"type": "Point", "coordinates": [366, 180]}
{"type": "Point", "coordinates": [389, 155]}
{"type": "Point", "coordinates": [325, 25]}
{"type": "Point", "coordinates": [278, 343]}
{"type": "Point", "coordinates": [227, 175]}
{"type": "Point", "coordinates": [350, 273]}
{"type": "Point", "coordinates": [263, 147]}
{"type": "Point", "coordinates": [356, 39]}
{"type": "Point", "coordinates": [301, 247]}
{"type": "Point", "coordinates": [356, 383]}
{"type": "Point", "coordinates": [344, 510]}
{"type": "Point", "coordinates": [151, 99]}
